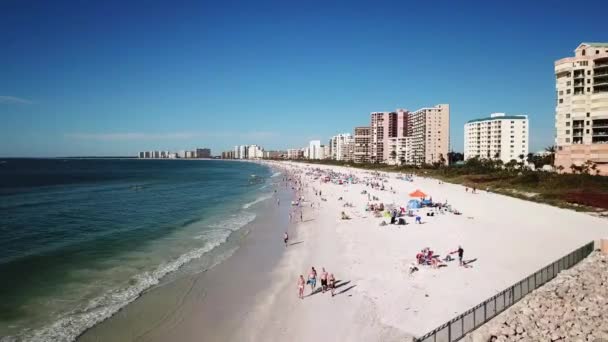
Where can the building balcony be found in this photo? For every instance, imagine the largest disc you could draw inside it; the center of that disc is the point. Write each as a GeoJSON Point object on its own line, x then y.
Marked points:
{"type": "Point", "coordinates": [601, 82]}
{"type": "Point", "coordinates": [578, 76]}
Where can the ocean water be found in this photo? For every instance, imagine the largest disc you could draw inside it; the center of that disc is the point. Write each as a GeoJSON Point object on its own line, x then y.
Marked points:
{"type": "Point", "coordinates": [81, 238]}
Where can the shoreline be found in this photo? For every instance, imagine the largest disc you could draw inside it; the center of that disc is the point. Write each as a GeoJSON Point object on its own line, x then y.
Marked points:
{"type": "Point", "coordinates": [376, 297]}
{"type": "Point", "coordinates": [208, 295]}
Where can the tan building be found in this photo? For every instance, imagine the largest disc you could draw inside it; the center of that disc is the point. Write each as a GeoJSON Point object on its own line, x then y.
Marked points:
{"type": "Point", "coordinates": [385, 125]}
{"type": "Point", "coordinates": [581, 114]}
{"type": "Point", "coordinates": [430, 132]}
{"type": "Point", "coordinates": [362, 146]}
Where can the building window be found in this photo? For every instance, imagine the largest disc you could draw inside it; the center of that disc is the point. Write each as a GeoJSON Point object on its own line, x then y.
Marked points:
{"type": "Point", "coordinates": [588, 81]}
{"type": "Point", "coordinates": [567, 140]}
{"type": "Point", "coordinates": [588, 123]}
{"type": "Point", "coordinates": [567, 91]}
{"type": "Point", "coordinates": [587, 131]}
{"type": "Point", "coordinates": [588, 116]}
{"type": "Point", "coordinates": [588, 72]}
{"type": "Point", "coordinates": [588, 89]}
{"type": "Point", "coordinates": [568, 123]}
{"type": "Point", "coordinates": [561, 101]}
{"type": "Point", "coordinates": [561, 92]}
{"type": "Point", "coordinates": [567, 116]}
{"type": "Point", "coordinates": [567, 131]}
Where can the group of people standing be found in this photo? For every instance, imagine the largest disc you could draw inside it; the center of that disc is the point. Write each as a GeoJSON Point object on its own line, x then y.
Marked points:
{"type": "Point", "coordinates": [328, 282]}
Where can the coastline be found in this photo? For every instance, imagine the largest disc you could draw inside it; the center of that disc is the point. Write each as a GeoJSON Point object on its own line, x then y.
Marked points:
{"type": "Point", "coordinates": [205, 302]}
{"type": "Point", "coordinates": [252, 296]}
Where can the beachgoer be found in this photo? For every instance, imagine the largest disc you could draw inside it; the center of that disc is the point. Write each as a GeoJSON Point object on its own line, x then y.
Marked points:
{"type": "Point", "coordinates": [323, 280]}
{"type": "Point", "coordinates": [312, 279]}
{"type": "Point", "coordinates": [301, 217]}
{"type": "Point", "coordinates": [460, 255]}
{"type": "Point", "coordinates": [285, 238]}
{"type": "Point", "coordinates": [418, 220]}
{"type": "Point", "coordinates": [460, 252]}
{"type": "Point", "coordinates": [332, 284]}
{"type": "Point", "coordinates": [301, 284]}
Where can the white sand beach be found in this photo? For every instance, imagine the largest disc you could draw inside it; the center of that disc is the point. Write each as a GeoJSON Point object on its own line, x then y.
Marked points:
{"type": "Point", "coordinates": [505, 239]}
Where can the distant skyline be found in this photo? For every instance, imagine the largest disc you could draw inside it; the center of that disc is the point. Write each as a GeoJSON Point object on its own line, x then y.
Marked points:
{"type": "Point", "coordinates": [114, 78]}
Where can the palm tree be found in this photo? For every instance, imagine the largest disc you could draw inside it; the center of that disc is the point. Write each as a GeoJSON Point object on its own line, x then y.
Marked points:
{"type": "Point", "coordinates": [551, 151]}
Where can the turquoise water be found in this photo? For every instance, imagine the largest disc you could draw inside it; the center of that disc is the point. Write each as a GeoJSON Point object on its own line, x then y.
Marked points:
{"type": "Point", "coordinates": [79, 239]}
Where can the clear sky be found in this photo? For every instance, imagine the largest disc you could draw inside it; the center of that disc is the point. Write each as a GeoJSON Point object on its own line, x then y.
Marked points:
{"type": "Point", "coordinates": [115, 77]}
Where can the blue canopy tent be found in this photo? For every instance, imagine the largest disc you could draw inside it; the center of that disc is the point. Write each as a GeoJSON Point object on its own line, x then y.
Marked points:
{"type": "Point", "coordinates": [413, 204]}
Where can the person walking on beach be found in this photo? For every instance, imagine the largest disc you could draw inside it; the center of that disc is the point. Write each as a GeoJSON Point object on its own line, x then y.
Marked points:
{"type": "Point", "coordinates": [312, 279]}
{"type": "Point", "coordinates": [301, 216]}
{"type": "Point", "coordinates": [301, 284]}
{"type": "Point", "coordinates": [285, 238]}
{"type": "Point", "coordinates": [323, 280]}
{"type": "Point", "coordinates": [332, 283]}
{"type": "Point", "coordinates": [460, 252]}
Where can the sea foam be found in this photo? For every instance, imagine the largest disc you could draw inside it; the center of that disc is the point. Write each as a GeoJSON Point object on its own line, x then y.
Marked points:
{"type": "Point", "coordinates": [71, 325]}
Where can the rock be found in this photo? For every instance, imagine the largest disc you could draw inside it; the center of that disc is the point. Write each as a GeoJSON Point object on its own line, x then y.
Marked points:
{"type": "Point", "coordinates": [568, 308]}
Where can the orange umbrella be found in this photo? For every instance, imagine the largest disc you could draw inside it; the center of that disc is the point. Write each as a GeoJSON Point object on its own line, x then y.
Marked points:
{"type": "Point", "coordinates": [418, 193]}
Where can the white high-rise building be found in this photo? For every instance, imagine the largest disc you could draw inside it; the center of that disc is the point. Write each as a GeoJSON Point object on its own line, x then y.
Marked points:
{"type": "Point", "coordinates": [314, 147]}
{"type": "Point", "coordinates": [399, 151]}
{"type": "Point", "coordinates": [339, 146]}
{"type": "Point", "coordinates": [500, 136]}
{"type": "Point", "coordinates": [243, 152]}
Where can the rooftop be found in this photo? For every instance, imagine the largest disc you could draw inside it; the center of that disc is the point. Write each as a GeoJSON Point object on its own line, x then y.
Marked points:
{"type": "Point", "coordinates": [595, 44]}
{"type": "Point", "coordinates": [505, 117]}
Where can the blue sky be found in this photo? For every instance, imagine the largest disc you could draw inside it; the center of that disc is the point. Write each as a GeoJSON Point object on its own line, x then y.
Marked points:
{"type": "Point", "coordinates": [113, 78]}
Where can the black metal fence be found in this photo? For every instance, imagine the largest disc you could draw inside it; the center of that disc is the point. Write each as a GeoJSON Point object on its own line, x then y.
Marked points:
{"type": "Point", "coordinates": [472, 319]}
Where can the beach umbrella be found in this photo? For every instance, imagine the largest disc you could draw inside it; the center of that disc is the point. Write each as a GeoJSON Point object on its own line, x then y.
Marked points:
{"type": "Point", "coordinates": [418, 193]}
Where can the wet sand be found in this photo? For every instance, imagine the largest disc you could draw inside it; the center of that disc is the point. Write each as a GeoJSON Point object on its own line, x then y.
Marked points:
{"type": "Point", "coordinates": [207, 306]}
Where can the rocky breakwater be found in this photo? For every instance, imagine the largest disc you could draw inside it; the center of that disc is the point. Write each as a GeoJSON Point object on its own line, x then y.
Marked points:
{"type": "Point", "coordinates": [571, 307]}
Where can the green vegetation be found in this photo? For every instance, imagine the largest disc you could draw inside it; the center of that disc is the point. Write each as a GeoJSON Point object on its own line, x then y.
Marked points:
{"type": "Point", "coordinates": [583, 190]}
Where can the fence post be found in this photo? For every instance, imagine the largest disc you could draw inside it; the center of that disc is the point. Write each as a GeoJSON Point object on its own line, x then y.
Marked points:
{"type": "Point", "coordinates": [449, 332]}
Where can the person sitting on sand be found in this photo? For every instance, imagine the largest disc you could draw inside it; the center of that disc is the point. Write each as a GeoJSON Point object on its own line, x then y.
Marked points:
{"type": "Point", "coordinates": [301, 284]}
{"type": "Point", "coordinates": [345, 217]}
{"type": "Point", "coordinates": [413, 268]}
{"type": "Point", "coordinates": [420, 258]}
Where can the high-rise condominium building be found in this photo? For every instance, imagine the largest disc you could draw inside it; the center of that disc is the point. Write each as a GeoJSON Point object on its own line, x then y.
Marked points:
{"type": "Point", "coordinates": [295, 153]}
{"type": "Point", "coordinates": [500, 136]}
{"type": "Point", "coordinates": [314, 149]}
{"type": "Point", "coordinates": [203, 153]}
{"type": "Point", "coordinates": [340, 146]}
{"type": "Point", "coordinates": [243, 152]}
{"type": "Point", "coordinates": [399, 151]}
{"type": "Point", "coordinates": [385, 125]}
{"type": "Point", "coordinates": [581, 114]}
{"type": "Point", "coordinates": [430, 132]}
{"type": "Point", "coordinates": [361, 153]}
